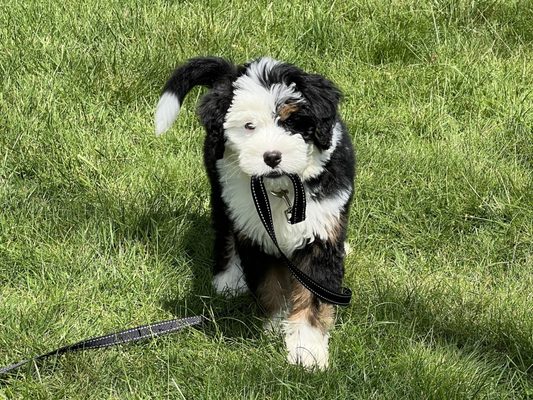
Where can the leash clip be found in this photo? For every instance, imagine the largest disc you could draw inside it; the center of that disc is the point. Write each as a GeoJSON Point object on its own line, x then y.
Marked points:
{"type": "Point", "coordinates": [284, 194]}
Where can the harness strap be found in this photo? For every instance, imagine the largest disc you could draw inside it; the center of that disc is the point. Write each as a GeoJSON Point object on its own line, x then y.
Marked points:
{"type": "Point", "coordinates": [262, 205]}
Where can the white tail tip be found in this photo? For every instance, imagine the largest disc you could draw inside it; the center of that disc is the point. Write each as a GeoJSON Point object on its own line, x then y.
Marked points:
{"type": "Point", "coordinates": [166, 112]}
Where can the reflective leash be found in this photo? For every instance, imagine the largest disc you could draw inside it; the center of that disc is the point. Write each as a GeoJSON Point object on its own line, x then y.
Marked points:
{"type": "Point", "coordinates": [127, 336]}
{"type": "Point", "coordinates": [295, 214]}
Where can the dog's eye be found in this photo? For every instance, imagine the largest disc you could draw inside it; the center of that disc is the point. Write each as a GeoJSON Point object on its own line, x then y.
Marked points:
{"type": "Point", "coordinates": [249, 126]}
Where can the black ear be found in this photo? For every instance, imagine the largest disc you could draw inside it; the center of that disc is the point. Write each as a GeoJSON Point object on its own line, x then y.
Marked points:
{"type": "Point", "coordinates": [323, 99]}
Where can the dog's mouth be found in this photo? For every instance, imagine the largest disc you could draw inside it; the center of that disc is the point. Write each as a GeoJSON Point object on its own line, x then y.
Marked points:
{"type": "Point", "coordinates": [278, 181]}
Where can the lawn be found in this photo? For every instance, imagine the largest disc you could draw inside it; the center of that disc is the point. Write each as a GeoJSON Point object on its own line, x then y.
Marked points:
{"type": "Point", "coordinates": [105, 226]}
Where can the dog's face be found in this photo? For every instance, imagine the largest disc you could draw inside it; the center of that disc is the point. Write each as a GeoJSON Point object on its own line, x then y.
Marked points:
{"type": "Point", "coordinates": [256, 128]}
{"type": "Point", "coordinates": [280, 120]}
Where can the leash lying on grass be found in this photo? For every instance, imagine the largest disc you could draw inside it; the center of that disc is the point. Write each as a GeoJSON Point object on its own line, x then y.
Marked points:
{"type": "Point", "coordinates": [127, 336]}
{"type": "Point", "coordinates": [295, 214]}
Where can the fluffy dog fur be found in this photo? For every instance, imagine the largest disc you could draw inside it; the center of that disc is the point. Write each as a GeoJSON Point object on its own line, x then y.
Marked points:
{"type": "Point", "coordinates": [269, 118]}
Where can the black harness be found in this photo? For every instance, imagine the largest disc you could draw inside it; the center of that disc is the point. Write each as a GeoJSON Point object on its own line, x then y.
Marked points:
{"type": "Point", "coordinates": [295, 214]}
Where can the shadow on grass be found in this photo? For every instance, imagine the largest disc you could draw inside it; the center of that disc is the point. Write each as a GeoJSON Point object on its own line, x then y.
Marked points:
{"type": "Point", "coordinates": [499, 340]}
{"type": "Point", "coordinates": [240, 317]}
{"type": "Point", "coordinates": [230, 316]}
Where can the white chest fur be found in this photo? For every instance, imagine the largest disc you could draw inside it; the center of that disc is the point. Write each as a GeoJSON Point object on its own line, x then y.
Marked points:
{"type": "Point", "coordinates": [321, 216]}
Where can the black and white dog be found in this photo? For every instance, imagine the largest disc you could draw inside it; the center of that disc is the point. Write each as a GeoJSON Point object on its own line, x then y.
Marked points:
{"type": "Point", "coordinates": [269, 118]}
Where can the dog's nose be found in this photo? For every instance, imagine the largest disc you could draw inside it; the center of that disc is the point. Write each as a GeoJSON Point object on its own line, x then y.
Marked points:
{"type": "Point", "coordinates": [272, 158]}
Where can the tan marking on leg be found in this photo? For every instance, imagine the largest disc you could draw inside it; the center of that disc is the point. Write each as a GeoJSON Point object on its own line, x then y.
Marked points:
{"type": "Point", "coordinates": [306, 330]}
{"type": "Point", "coordinates": [307, 308]}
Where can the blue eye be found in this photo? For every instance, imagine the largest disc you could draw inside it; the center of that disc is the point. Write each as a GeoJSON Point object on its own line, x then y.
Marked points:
{"type": "Point", "coordinates": [249, 126]}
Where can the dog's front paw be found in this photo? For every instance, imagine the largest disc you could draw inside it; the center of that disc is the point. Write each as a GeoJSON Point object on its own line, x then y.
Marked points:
{"type": "Point", "coordinates": [230, 282]}
{"type": "Point", "coordinates": [307, 346]}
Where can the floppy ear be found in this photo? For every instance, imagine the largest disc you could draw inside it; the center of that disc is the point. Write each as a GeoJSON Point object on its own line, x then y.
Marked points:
{"type": "Point", "coordinates": [323, 97]}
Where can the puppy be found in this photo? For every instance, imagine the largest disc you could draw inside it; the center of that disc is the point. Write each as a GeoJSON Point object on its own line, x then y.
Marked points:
{"type": "Point", "coordinates": [269, 118]}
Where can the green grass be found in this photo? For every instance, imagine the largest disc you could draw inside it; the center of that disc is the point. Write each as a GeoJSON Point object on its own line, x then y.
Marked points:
{"type": "Point", "coordinates": [104, 226]}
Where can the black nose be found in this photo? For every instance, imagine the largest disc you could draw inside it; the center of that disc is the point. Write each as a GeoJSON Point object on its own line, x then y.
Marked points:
{"type": "Point", "coordinates": [272, 158]}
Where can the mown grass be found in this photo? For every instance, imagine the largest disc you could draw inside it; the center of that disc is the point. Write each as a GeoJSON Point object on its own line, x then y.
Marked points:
{"type": "Point", "coordinates": [104, 226]}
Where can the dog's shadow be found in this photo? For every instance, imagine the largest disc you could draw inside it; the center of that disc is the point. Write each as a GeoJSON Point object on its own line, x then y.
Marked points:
{"type": "Point", "coordinates": [237, 316]}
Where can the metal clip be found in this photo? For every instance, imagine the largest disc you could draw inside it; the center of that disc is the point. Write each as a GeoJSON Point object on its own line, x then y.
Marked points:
{"type": "Point", "coordinates": [284, 194]}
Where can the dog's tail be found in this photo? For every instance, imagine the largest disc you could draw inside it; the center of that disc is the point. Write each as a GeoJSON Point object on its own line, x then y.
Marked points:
{"type": "Point", "coordinates": [203, 71]}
